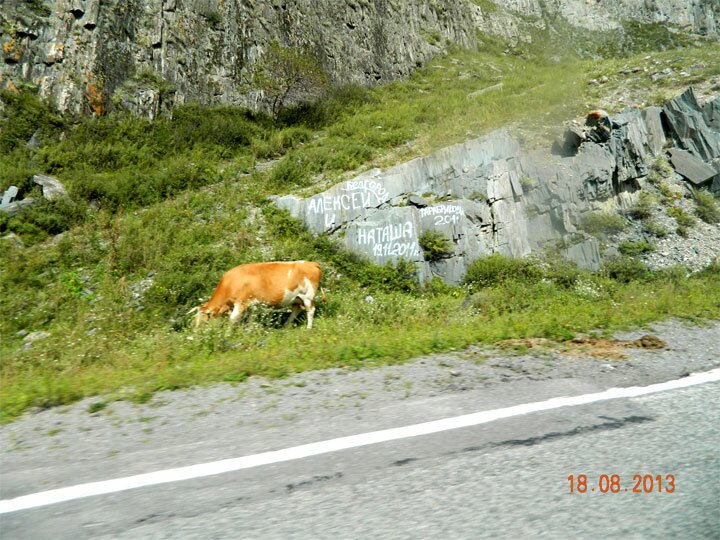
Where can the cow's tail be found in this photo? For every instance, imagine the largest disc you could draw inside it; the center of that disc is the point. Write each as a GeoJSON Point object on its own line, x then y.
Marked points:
{"type": "Point", "coordinates": [324, 296]}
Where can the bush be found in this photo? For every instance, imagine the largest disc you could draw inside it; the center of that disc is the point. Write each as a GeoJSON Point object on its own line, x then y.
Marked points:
{"type": "Point", "coordinates": [293, 170]}
{"type": "Point", "coordinates": [683, 220]}
{"type": "Point", "coordinates": [643, 206]}
{"type": "Point", "coordinates": [635, 248]}
{"type": "Point", "coordinates": [36, 222]}
{"type": "Point", "coordinates": [654, 228]}
{"type": "Point", "coordinates": [660, 170]}
{"type": "Point", "coordinates": [134, 188]}
{"type": "Point", "coordinates": [706, 206]}
{"type": "Point", "coordinates": [16, 170]}
{"type": "Point", "coordinates": [24, 115]}
{"type": "Point", "coordinates": [225, 127]}
{"type": "Point", "coordinates": [626, 269]}
{"type": "Point", "coordinates": [713, 269]}
{"type": "Point", "coordinates": [435, 245]}
{"type": "Point", "coordinates": [601, 223]}
{"type": "Point", "coordinates": [278, 143]}
{"type": "Point", "coordinates": [401, 276]}
{"type": "Point", "coordinates": [496, 269]}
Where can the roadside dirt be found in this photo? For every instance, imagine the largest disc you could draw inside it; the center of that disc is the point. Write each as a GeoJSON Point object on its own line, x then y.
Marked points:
{"type": "Point", "coordinates": [591, 347]}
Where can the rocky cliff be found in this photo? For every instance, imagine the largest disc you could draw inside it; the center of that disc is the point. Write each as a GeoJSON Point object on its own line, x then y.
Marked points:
{"type": "Point", "coordinates": [489, 196]}
{"type": "Point", "coordinates": [146, 55]}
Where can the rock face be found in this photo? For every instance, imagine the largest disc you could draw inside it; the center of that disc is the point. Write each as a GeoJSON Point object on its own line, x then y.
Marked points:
{"type": "Point", "coordinates": [488, 196]}
{"type": "Point", "coordinates": [89, 56]}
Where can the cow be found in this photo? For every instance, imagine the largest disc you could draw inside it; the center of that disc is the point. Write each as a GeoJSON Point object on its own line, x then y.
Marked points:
{"type": "Point", "coordinates": [275, 284]}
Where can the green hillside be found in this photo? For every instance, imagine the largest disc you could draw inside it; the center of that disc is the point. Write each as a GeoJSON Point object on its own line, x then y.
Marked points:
{"type": "Point", "coordinates": [159, 210]}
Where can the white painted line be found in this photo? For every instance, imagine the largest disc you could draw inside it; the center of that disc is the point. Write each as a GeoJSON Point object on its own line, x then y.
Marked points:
{"type": "Point", "coordinates": [333, 445]}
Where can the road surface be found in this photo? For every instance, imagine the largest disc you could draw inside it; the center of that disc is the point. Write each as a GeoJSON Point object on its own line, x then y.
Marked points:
{"type": "Point", "coordinates": [503, 478]}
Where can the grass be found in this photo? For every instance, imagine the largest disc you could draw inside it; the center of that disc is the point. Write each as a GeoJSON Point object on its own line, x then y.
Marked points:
{"type": "Point", "coordinates": [706, 206]}
{"type": "Point", "coordinates": [635, 248]}
{"type": "Point", "coordinates": [603, 223]}
{"type": "Point", "coordinates": [681, 217]}
{"type": "Point", "coordinates": [178, 201]}
{"type": "Point", "coordinates": [348, 333]}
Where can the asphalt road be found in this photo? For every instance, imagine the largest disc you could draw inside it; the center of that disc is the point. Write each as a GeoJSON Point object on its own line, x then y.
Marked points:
{"type": "Point", "coordinates": [507, 478]}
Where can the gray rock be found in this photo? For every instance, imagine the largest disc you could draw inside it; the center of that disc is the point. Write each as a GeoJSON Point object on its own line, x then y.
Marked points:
{"type": "Point", "coordinates": [686, 122]}
{"type": "Point", "coordinates": [34, 142]}
{"type": "Point", "coordinates": [14, 238]}
{"type": "Point", "coordinates": [692, 168]}
{"type": "Point", "coordinates": [711, 114]}
{"type": "Point", "coordinates": [15, 207]}
{"type": "Point", "coordinates": [9, 195]}
{"type": "Point", "coordinates": [35, 336]}
{"type": "Point", "coordinates": [52, 188]}
{"type": "Point", "coordinates": [655, 133]}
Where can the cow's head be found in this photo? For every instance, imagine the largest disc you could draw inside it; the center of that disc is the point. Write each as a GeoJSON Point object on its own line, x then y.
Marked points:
{"type": "Point", "coordinates": [201, 315]}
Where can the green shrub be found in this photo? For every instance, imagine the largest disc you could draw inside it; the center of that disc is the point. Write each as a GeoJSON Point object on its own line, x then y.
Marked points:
{"type": "Point", "coordinates": [654, 228]}
{"type": "Point", "coordinates": [278, 143]}
{"type": "Point", "coordinates": [341, 102]}
{"type": "Point", "coordinates": [132, 188]}
{"type": "Point", "coordinates": [24, 115]}
{"type": "Point", "coordinates": [642, 209]}
{"type": "Point", "coordinates": [293, 170]}
{"type": "Point", "coordinates": [602, 223]}
{"type": "Point", "coordinates": [626, 269]}
{"type": "Point", "coordinates": [635, 248]}
{"type": "Point", "coordinates": [660, 170]}
{"type": "Point", "coordinates": [496, 269]}
{"type": "Point", "coordinates": [672, 274]}
{"type": "Point", "coordinates": [706, 206]}
{"type": "Point", "coordinates": [435, 245]}
{"type": "Point", "coordinates": [401, 276]}
{"type": "Point", "coordinates": [34, 223]}
{"type": "Point", "coordinates": [713, 269]}
{"type": "Point", "coordinates": [226, 127]}
{"type": "Point", "coordinates": [683, 220]}
{"type": "Point", "coordinates": [16, 169]}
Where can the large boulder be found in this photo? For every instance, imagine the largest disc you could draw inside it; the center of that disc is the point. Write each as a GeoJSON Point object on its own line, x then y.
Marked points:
{"type": "Point", "coordinates": [52, 188]}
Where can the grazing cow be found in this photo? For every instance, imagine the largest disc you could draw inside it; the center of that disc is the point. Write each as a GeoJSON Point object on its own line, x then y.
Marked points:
{"type": "Point", "coordinates": [275, 284]}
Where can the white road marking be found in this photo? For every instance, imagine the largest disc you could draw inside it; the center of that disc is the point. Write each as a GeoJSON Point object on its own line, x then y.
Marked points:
{"type": "Point", "coordinates": [333, 445]}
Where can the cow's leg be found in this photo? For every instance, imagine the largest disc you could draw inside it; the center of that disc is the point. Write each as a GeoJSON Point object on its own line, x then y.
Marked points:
{"type": "Point", "coordinates": [237, 313]}
{"type": "Point", "coordinates": [310, 309]}
{"type": "Point", "coordinates": [296, 309]}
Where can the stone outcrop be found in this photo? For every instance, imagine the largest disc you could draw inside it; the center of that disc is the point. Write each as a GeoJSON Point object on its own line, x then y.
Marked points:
{"type": "Point", "coordinates": [489, 196]}
{"type": "Point", "coordinates": [52, 189]}
{"type": "Point", "coordinates": [88, 56]}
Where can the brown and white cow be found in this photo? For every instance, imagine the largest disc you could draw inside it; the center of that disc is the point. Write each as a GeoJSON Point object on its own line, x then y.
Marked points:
{"type": "Point", "coordinates": [275, 284]}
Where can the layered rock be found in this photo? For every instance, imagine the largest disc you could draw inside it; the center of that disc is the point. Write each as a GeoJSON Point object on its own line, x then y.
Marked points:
{"type": "Point", "coordinates": [146, 54]}
{"type": "Point", "coordinates": [88, 56]}
{"type": "Point", "coordinates": [489, 196]}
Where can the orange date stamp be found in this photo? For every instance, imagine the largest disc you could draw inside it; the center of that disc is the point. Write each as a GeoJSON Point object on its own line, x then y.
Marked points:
{"type": "Point", "coordinates": [614, 483]}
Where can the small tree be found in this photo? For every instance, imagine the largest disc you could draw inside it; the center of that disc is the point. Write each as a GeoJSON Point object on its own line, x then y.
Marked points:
{"type": "Point", "coordinates": [435, 245]}
{"type": "Point", "coordinates": [288, 76]}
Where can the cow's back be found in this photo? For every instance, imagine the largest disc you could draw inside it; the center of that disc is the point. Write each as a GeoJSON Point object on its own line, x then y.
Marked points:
{"type": "Point", "coordinates": [268, 282]}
